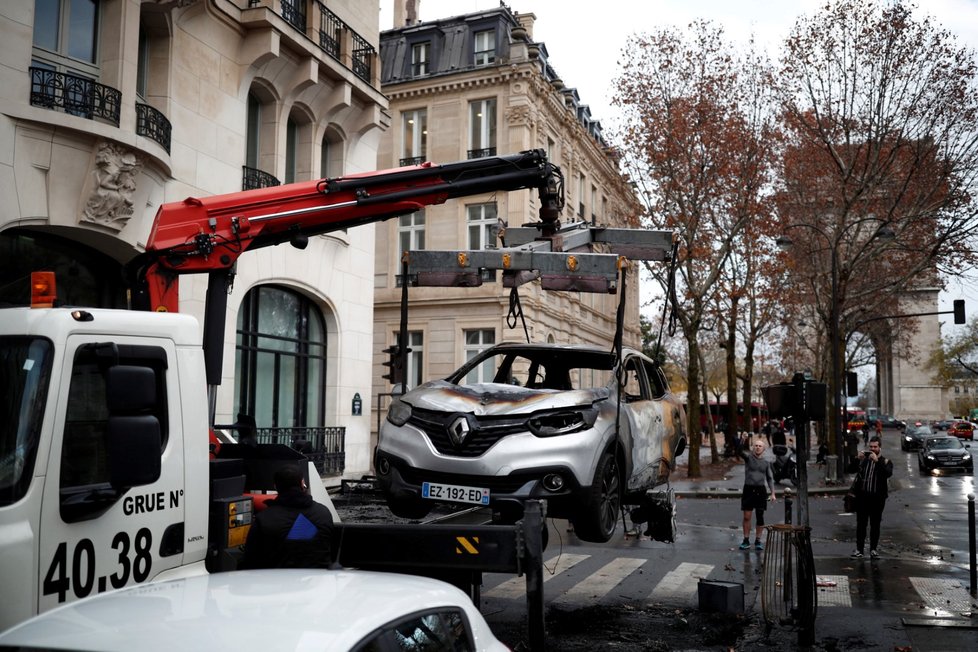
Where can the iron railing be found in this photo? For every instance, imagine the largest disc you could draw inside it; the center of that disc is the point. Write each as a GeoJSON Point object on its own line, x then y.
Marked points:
{"type": "Point", "coordinates": [330, 30]}
{"type": "Point", "coordinates": [253, 178]}
{"type": "Point", "coordinates": [411, 160]}
{"type": "Point", "coordinates": [362, 54]}
{"type": "Point", "coordinates": [482, 153]}
{"type": "Point", "coordinates": [324, 446]}
{"type": "Point", "coordinates": [153, 124]}
{"type": "Point", "coordinates": [74, 95]}
{"type": "Point", "coordinates": [294, 13]}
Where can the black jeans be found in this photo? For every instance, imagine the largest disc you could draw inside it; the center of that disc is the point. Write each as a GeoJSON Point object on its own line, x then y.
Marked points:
{"type": "Point", "coordinates": [869, 508]}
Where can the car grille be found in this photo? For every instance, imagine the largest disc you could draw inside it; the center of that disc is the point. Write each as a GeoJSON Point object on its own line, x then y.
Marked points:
{"type": "Point", "coordinates": [485, 431]}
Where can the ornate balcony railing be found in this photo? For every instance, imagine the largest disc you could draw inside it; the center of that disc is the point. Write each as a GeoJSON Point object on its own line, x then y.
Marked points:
{"type": "Point", "coordinates": [74, 95]}
{"type": "Point", "coordinates": [330, 31]}
{"type": "Point", "coordinates": [362, 53]}
{"type": "Point", "coordinates": [253, 178]}
{"type": "Point", "coordinates": [153, 124]}
{"type": "Point", "coordinates": [411, 160]}
{"type": "Point", "coordinates": [482, 153]}
{"type": "Point", "coordinates": [324, 446]}
{"type": "Point", "coordinates": [294, 12]}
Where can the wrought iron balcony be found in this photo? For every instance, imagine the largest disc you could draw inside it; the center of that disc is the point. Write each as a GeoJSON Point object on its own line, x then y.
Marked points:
{"type": "Point", "coordinates": [324, 446]}
{"type": "Point", "coordinates": [253, 178]}
{"type": "Point", "coordinates": [294, 13]}
{"type": "Point", "coordinates": [411, 160]}
{"type": "Point", "coordinates": [482, 153]}
{"type": "Point", "coordinates": [153, 124]}
{"type": "Point", "coordinates": [330, 31]}
{"type": "Point", "coordinates": [362, 53]}
{"type": "Point", "coordinates": [74, 95]}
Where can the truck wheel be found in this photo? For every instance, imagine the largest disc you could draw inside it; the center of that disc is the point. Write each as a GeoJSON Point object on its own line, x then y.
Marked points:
{"type": "Point", "coordinates": [412, 508]}
{"type": "Point", "coordinates": [597, 519]}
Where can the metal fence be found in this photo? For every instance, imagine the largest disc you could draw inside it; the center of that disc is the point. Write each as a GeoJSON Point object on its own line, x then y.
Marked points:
{"type": "Point", "coordinates": [788, 587]}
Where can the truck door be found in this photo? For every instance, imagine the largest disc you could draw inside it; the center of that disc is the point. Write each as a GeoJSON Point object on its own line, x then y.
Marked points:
{"type": "Point", "coordinates": [113, 507]}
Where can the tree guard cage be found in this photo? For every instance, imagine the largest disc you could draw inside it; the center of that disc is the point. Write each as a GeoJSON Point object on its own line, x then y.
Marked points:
{"type": "Point", "coordinates": [788, 591]}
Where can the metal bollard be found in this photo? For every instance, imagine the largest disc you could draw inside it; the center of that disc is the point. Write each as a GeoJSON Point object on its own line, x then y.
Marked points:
{"type": "Point", "coordinates": [971, 544]}
{"type": "Point", "coordinates": [787, 506]}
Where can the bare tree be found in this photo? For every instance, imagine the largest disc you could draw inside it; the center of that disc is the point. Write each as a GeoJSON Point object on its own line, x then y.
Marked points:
{"type": "Point", "coordinates": [693, 146]}
{"type": "Point", "coordinates": [881, 119]}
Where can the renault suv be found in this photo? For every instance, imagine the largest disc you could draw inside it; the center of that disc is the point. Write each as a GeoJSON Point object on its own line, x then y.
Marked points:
{"type": "Point", "coordinates": [574, 425]}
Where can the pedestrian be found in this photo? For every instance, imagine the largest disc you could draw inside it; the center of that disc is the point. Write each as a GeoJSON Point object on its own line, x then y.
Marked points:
{"type": "Point", "coordinates": [758, 484]}
{"type": "Point", "coordinates": [293, 531]}
{"type": "Point", "coordinates": [879, 429]}
{"type": "Point", "coordinates": [871, 490]}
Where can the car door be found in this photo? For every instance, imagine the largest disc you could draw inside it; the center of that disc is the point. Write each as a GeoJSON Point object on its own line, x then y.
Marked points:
{"type": "Point", "coordinates": [645, 422]}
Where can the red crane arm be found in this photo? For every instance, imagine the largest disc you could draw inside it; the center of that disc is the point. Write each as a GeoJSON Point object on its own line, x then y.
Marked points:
{"type": "Point", "coordinates": [208, 234]}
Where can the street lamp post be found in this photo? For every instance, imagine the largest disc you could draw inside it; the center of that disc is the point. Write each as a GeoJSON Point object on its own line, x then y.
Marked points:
{"type": "Point", "coordinates": [836, 434]}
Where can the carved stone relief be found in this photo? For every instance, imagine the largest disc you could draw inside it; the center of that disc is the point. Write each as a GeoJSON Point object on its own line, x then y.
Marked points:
{"type": "Point", "coordinates": [110, 203]}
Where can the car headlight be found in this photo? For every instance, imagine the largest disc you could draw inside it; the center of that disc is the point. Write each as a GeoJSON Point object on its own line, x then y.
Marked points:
{"type": "Point", "coordinates": [562, 422]}
{"type": "Point", "coordinates": [399, 412]}
{"type": "Point", "coordinates": [908, 438]}
{"type": "Point", "coordinates": [930, 457]}
{"type": "Point", "coordinates": [966, 457]}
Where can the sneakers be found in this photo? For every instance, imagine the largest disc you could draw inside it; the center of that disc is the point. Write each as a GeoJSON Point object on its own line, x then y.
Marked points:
{"type": "Point", "coordinates": [874, 554]}
{"type": "Point", "coordinates": [758, 545]}
{"type": "Point", "coordinates": [857, 554]}
{"type": "Point", "coordinates": [745, 545]}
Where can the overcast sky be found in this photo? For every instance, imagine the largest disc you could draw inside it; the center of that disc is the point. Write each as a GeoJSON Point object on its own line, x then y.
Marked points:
{"type": "Point", "coordinates": [584, 45]}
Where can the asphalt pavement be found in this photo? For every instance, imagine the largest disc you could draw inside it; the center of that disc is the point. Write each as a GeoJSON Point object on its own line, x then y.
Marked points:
{"type": "Point", "coordinates": [901, 601]}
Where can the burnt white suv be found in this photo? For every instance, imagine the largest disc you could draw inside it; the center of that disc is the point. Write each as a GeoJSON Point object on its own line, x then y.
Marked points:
{"type": "Point", "coordinates": [569, 424]}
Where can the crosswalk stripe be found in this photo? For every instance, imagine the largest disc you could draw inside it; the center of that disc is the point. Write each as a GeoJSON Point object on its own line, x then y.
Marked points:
{"type": "Point", "coordinates": [516, 587]}
{"type": "Point", "coordinates": [598, 584]}
{"type": "Point", "coordinates": [942, 595]}
{"type": "Point", "coordinates": [679, 583]}
{"type": "Point", "coordinates": [833, 591]}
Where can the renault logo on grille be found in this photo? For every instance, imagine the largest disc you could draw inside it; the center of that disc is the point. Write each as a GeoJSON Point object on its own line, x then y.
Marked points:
{"type": "Point", "coordinates": [459, 430]}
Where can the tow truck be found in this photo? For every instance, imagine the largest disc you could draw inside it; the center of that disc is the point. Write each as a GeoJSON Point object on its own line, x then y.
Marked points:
{"type": "Point", "coordinates": [110, 473]}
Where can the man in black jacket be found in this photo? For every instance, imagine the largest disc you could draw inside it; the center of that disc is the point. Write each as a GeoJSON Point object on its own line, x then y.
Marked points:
{"type": "Point", "coordinates": [871, 491]}
{"type": "Point", "coordinates": [293, 531]}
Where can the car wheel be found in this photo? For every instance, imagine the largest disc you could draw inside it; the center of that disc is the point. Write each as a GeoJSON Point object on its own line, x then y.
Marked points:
{"type": "Point", "coordinates": [597, 520]}
{"type": "Point", "coordinates": [413, 508]}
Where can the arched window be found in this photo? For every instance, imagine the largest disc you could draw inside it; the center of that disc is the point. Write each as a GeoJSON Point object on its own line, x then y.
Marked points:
{"type": "Point", "coordinates": [280, 359]}
{"type": "Point", "coordinates": [84, 276]}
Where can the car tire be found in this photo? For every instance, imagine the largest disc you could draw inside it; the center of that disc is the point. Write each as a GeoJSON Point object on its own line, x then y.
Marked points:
{"type": "Point", "coordinates": [412, 508]}
{"type": "Point", "coordinates": [597, 519]}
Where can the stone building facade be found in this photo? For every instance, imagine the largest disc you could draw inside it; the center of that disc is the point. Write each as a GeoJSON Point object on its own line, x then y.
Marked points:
{"type": "Point", "coordinates": [471, 86]}
{"type": "Point", "coordinates": [109, 108]}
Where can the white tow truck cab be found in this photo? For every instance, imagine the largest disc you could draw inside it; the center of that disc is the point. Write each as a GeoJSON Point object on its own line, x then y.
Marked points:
{"type": "Point", "coordinates": [105, 478]}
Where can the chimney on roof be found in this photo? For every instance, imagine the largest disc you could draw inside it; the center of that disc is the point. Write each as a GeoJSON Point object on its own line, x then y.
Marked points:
{"type": "Point", "coordinates": [405, 12]}
{"type": "Point", "coordinates": [526, 21]}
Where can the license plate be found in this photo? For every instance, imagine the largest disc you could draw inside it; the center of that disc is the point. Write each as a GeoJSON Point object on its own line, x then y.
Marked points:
{"type": "Point", "coordinates": [455, 493]}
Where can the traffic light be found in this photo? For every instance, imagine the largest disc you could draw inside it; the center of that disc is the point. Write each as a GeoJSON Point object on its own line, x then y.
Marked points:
{"type": "Point", "coordinates": [396, 373]}
{"type": "Point", "coordinates": [959, 311]}
{"type": "Point", "coordinates": [852, 383]}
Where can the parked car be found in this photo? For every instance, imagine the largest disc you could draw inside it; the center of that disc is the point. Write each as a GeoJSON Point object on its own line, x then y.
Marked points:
{"type": "Point", "coordinates": [943, 424]}
{"type": "Point", "coordinates": [261, 610]}
{"type": "Point", "coordinates": [944, 453]}
{"type": "Point", "coordinates": [535, 421]}
{"type": "Point", "coordinates": [890, 422]}
{"type": "Point", "coordinates": [962, 429]}
{"type": "Point", "coordinates": [913, 437]}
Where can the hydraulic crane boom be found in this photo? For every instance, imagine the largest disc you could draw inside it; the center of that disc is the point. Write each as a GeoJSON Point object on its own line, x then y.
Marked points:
{"type": "Point", "coordinates": [207, 235]}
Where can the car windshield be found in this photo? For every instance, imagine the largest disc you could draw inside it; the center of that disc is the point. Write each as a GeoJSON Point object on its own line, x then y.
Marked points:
{"type": "Point", "coordinates": [25, 372]}
{"type": "Point", "coordinates": [944, 443]}
{"type": "Point", "coordinates": [921, 430]}
{"type": "Point", "coordinates": [538, 368]}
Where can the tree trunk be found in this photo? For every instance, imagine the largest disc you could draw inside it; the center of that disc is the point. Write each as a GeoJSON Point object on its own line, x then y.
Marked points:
{"type": "Point", "coordinates": [693, 408]}
{"type": "Point", "coordinates": [733, 430]}
{"type": "Point", "coordinates": [710, 427]}
{"type": "Point", "coordinates": [749, 386]}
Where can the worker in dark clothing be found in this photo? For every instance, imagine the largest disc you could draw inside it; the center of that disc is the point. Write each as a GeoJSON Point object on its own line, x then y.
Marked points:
{"type": "Point", "coordinates": [294, 530]}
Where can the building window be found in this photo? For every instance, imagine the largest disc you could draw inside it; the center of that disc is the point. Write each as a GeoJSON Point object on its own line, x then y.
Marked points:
{"type": "Point", "coordinates": [551, 150]}
{"type": "Point", "coordinates": [594, 204]}
{"type": "Point", "coordinates": [253, 133]}
{"type": "Point", "coordinates": [66, 36]}
{"type": "Point", "coordinates": [482, 223]}
{"type": "Point", "coordinates": [331, 154]}
{"type": "Point", "coordinates": [410, 232]}
{"type": "Point", "coordinates": [142, 63]}
{"type": "Point", "coordinates": [476, 341]}
{"type": "Point", "coordinates": [580, 195]}
{"type": "Point", "coordinates": [280, 359]}
{"type": "Point", "coordinates": [485, 47]}
{"type": "Point", "coordinates": [419, 58]}
{"type": "Point", "coordinates": [415, 359]}
{"type": "Point", "coordinates": [414, 130]}
{"type": "Point", "coordinates": [291, 136]}
{"type": "Point", "coordinates": [482, 128]}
